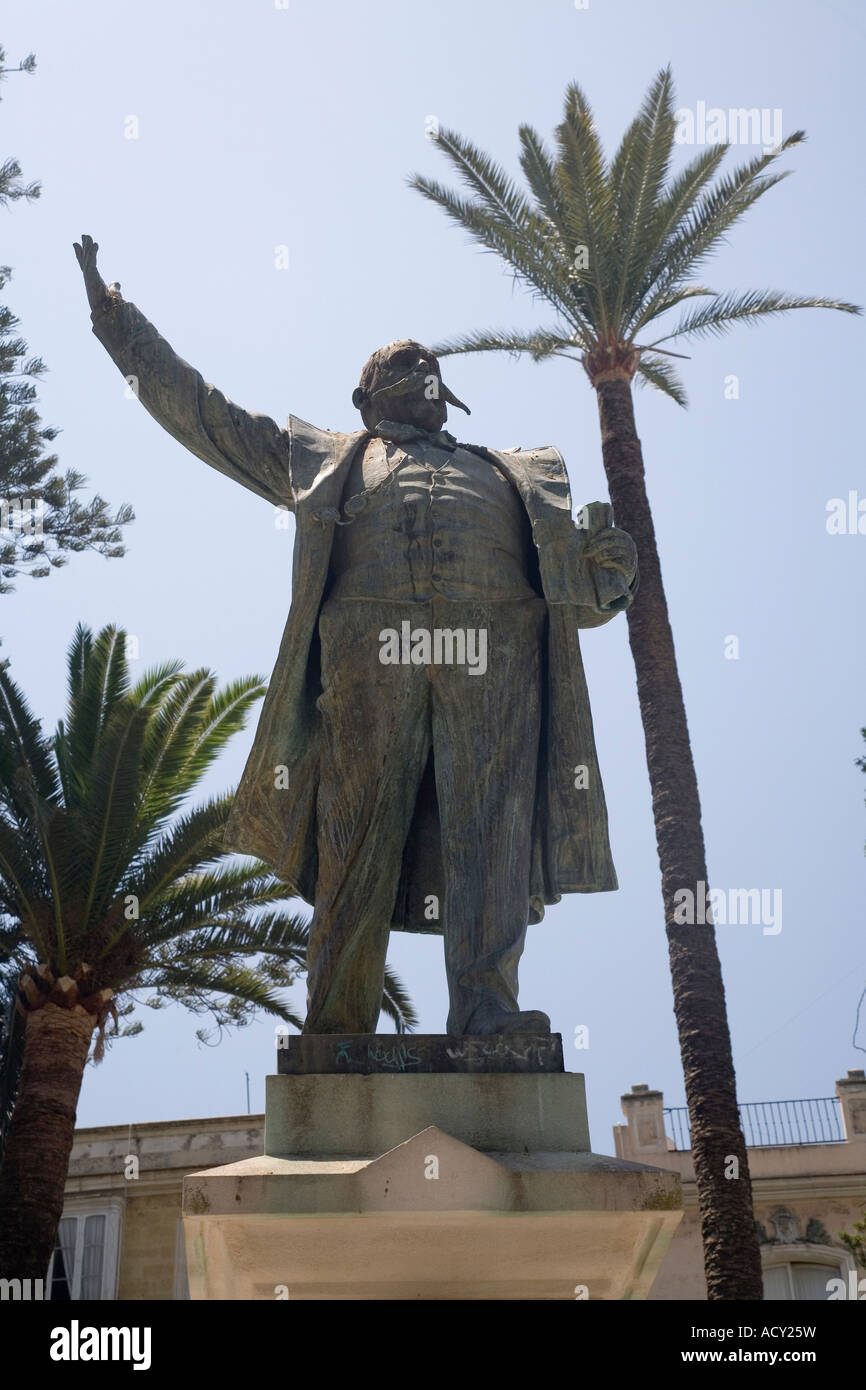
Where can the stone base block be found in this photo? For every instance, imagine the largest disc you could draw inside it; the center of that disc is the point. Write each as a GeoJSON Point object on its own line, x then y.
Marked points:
{"type": "Point", "coordinates": [464, 1256]}
{"type": "Point", "coordinates": [454, 1186]}
{"type": "Point", "coordinates": [364, 1116]}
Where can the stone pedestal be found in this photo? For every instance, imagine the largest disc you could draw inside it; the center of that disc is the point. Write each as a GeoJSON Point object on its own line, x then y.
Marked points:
{"type": "Point", "coordinates": [389, 1184]}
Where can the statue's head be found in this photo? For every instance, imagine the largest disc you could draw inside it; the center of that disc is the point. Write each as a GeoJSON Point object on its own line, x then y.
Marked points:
{"type": "Point", "coordinates": [402, 381]}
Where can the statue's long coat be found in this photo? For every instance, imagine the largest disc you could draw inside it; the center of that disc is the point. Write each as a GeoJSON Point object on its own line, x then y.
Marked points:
{"type": "Point", "coordinates": [305, 468]}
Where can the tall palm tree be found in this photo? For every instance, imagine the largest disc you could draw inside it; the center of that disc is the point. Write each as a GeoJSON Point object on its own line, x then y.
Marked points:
{"type": "Point", "coordinates": [110, 885]}
{"type": "Point", "coordinates": [613, 248]}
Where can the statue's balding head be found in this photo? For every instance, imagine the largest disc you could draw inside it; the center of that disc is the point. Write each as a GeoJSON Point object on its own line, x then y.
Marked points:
{"type": "Point", "coordinates": [402, 382]}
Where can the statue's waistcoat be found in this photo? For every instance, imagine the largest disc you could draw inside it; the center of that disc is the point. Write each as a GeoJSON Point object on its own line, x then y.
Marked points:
{"type": "Point", "coordinates": [435, 521]}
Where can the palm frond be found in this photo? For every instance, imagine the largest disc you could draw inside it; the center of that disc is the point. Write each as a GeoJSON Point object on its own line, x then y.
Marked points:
{"type": "Point", "coordinates": [590, 215]}
{"type": "Point", "coordinates": [194, 840]}
{"type": "Point", "coordinates": [539, 170]}
{"type": "Point", "coordinates": [746, 307]}
{"type": "Point", "coordinates": [397, 1004]}
{"type": "Point", "coordinates": [489, 182]}
{"type": "Point", "coordinates": [677, 296]}
{"type": "Point", "coordinates": [184, 980]}
{"type": "Point", "coordinates": [545, 277]}
{"type": "Point", "coordinates": [12, 940]}
{"type": "Point", "coordinates": [281, 935]}
{"type": "Point", "coordinates": [225, 715]}
{"type": "Point", "coordinates": [173, 727]}
{"type": "Point", "coordinates": [155, 681]}
{"type": "Point", "coordinates": [199, 899]}
{"type": "Point", "coordinates": [706, 225]}
{"type": "Point", "coordinates": [538, 343]}
{"type": "Point", "coordinates": [678, 201]}
{"type": "Point", "coordinates": [98, 679]}
{"type": "Point", "coordinates": [22, 888]}
{"type": "Point", "coordinates": [658, 372]}
{"type": "Point", "coordinates": [78, 656]}
{"type": "Point", "coordinates": [22, 745]}
{"type": "Point", "coordinates": [637, 178]}
{"type": "Point", "coordinates": [112, 807]}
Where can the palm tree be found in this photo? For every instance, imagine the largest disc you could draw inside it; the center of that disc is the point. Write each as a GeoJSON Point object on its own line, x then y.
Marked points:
{"type": "Point", "coordinates": [613, 248]}
{"type": "Point", "coordinates": [110, 885]}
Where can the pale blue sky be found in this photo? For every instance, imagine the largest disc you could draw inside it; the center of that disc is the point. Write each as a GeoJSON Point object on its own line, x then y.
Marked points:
{"type": "Point", "coordinates": [261, 127]}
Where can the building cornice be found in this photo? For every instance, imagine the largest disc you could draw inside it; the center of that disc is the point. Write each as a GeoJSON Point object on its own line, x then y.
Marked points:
{"type": "Point", "coordinates": [795, 1188]}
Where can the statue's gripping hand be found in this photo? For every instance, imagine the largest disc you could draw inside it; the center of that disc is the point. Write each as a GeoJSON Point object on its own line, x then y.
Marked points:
{"type": "Point", "coordinates": [610, 565]}
{"type": "Point", "coordinates": [613, 549]}
{"type": "Point", "coordinates": [99, 295]}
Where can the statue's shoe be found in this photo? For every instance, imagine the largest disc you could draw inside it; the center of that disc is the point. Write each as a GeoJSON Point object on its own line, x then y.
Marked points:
{"type": "Point", "coordinates": [527, 1021]}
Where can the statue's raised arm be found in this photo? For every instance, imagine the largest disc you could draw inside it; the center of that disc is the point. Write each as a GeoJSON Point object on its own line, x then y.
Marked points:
{"type": "Point", "coordinates": [250, 448]}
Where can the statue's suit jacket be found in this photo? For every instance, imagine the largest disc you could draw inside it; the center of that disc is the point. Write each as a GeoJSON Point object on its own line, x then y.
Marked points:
{"type": "Point", "coordinates": [305, 468]}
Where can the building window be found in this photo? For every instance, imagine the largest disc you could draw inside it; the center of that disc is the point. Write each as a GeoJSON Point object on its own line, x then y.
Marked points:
{"type": "Point", "coordinates": [798, 1281]}
{"type": "Point", "coordinates": [84, 1262]}
{"type": "Point", "coordinates": [801, 1272]}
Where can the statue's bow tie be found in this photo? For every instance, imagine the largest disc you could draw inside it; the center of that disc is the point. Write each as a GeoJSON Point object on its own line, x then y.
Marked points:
{"type": "Point", "coordinates": [398, 433]}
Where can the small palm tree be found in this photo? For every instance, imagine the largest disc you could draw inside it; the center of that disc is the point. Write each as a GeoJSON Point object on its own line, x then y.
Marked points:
{"type": "Point", "coordinates": [109, 885]}
{"type": "Point", "coordinates": [613, 248]}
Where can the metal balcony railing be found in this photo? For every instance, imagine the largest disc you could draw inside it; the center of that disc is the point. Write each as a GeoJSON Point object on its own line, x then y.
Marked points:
{"type": "Point", "coordinates": [773, 1122]}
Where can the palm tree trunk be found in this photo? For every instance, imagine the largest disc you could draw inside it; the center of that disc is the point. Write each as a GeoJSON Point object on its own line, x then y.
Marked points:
{"type": "Point", "coordinates": [11, 1057]}
{"type": "Point", "coordinates": [40, 1138]}
{"type": "Point", "coordinates": [731, 1254]}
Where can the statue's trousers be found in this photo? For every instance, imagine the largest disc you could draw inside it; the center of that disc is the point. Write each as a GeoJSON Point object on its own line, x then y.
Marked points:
{"type": "Point", "coordinates": [385, 724]}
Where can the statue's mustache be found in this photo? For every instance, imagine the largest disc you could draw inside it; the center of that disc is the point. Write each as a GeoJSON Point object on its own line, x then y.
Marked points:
{"type": "Point", "coordinates": [404, 385]}
{"type": "Point", "coordinates": [412, 382]}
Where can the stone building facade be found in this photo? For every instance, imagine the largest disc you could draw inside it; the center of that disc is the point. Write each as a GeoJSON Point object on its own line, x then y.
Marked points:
{"type": "Point", "coordinates": [808, 1166]}
{"type": "Point", "coordinates": [121, 1235]}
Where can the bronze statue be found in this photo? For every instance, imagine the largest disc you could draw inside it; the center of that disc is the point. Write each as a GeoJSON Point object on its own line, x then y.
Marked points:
{"type": "Point", "coordinates": [425, 758]}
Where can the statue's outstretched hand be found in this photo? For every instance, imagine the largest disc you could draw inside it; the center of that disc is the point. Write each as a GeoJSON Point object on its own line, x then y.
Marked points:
{"type": "Point", "coordinates": [99, 296]}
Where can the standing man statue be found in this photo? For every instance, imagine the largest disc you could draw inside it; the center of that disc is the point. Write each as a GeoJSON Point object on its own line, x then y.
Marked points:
{"type": "Point", "coordinates": [425, 758]}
